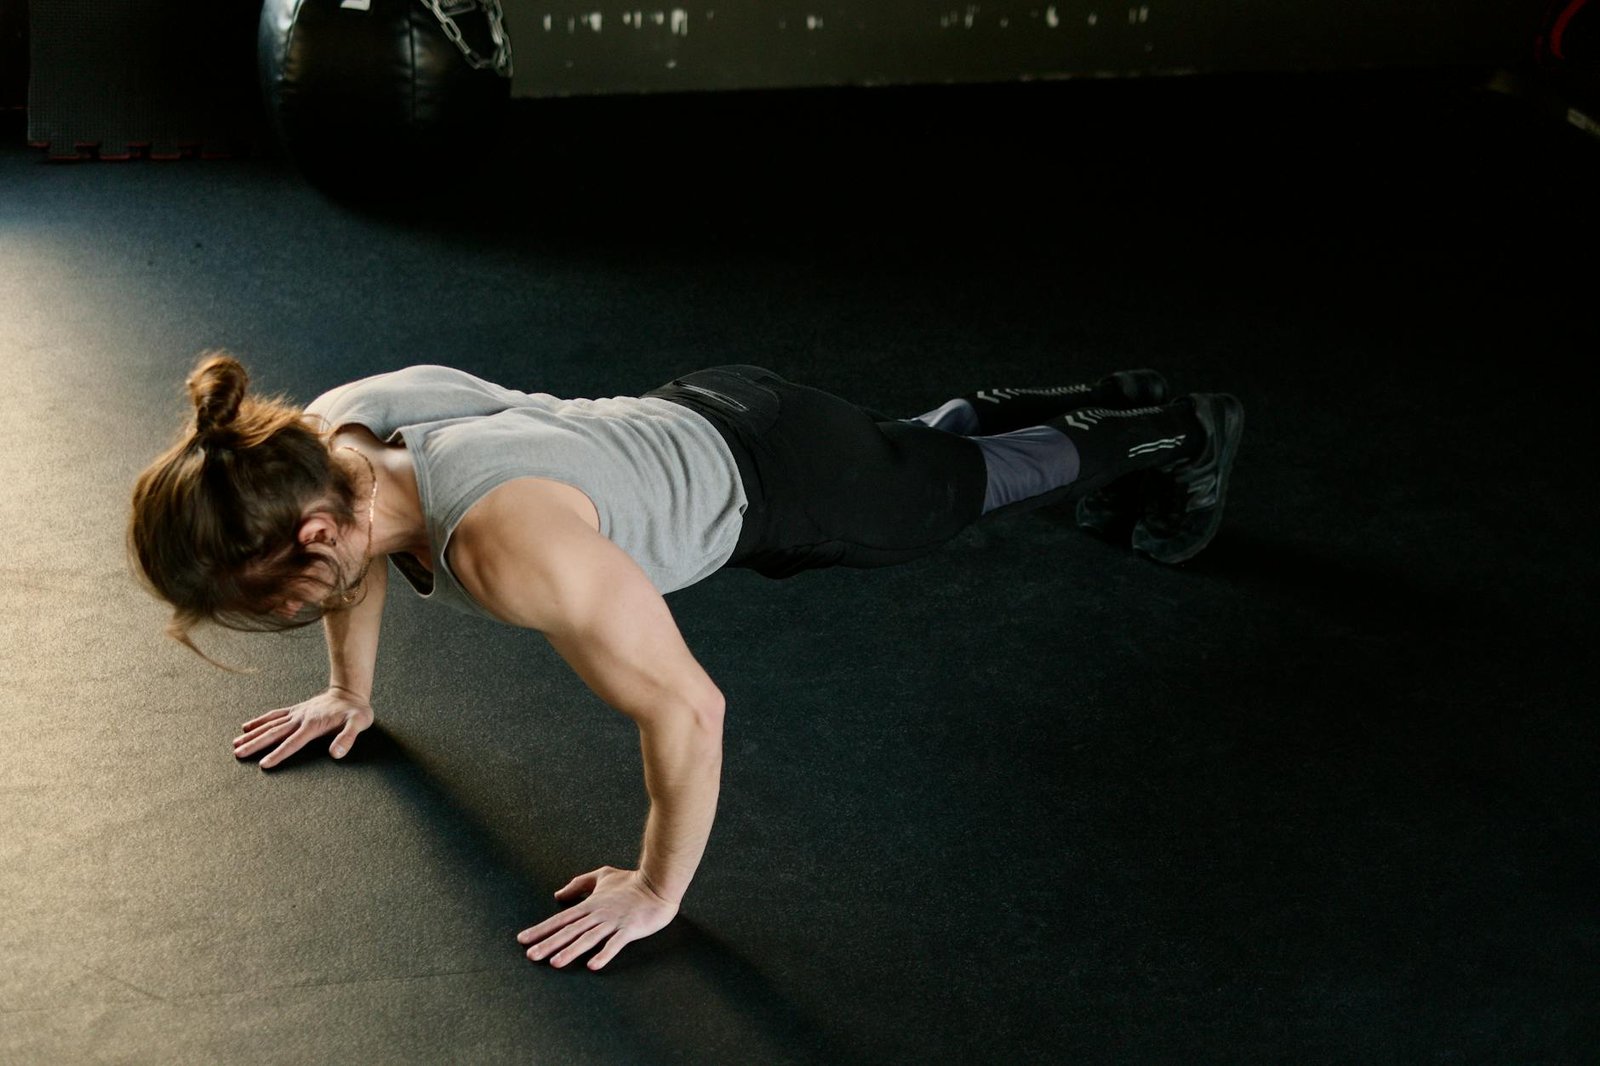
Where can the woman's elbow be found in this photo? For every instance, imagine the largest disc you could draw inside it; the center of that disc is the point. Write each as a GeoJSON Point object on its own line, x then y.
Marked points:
{"type": "Point", "coordinates": [709, 709]}
{"type": "Point", "coordinates": [687, 709]}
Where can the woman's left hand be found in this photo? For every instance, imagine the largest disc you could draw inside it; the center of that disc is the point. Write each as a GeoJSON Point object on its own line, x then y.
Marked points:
{"type": "Point", "coordinates": [620, 908]}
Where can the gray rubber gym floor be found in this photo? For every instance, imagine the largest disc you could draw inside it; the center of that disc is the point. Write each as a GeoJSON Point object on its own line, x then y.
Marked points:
{"type": "Point", "coordinates": [1325, 794]}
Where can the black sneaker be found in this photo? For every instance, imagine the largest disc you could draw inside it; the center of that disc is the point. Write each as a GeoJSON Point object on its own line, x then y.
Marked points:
{"type": "Point", "coordinates": [1007, 409]}
{"type": "Point", "coordinates": [1183, 503]}
{"type": "Point", "coordinates": [1111, 511]}
{"type": "Point", "coordinates": [1143, 388]}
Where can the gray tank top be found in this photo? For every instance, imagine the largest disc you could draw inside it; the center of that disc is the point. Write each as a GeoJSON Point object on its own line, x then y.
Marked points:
{"type": "Point", "coordinates": [662, 479]}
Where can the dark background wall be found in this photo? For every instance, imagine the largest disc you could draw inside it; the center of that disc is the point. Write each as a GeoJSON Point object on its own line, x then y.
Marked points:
{"type": "Point", "coordinates": [13, 54]}
{"type": "Point", "coordinates": [172, 77]}
{"type": "Point", "coordinates": [157, 76]}
{"type": "Point", "coordinates": [728, 44]}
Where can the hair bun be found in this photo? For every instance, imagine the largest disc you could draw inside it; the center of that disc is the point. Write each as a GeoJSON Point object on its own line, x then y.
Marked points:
{"type": "Point", "coordinates": [216, 387]}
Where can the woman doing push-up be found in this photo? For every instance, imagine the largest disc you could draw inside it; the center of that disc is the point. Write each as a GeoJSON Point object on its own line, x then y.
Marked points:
{"type": "Point", "coordinates": [575, 517]}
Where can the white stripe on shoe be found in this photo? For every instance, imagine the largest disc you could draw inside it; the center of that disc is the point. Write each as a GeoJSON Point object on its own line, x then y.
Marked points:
{"type": "Point", "coordinates": [1164, 444]}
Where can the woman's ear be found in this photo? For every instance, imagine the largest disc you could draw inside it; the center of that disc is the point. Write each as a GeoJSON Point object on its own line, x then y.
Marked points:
{"type": "Point", "coordinates": [317, 528]}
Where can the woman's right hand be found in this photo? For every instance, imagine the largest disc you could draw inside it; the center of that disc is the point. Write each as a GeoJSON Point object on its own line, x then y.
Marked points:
{"type": "Point", "coordinates": [291, 728]}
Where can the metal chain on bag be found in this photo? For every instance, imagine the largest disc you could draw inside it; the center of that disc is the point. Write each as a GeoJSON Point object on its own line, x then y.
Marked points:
{"type": "Point", "coordinates": [446, 11]}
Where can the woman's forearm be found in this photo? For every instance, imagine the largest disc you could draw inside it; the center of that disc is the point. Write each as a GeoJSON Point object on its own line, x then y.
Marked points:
{"type": "Point", "coordinates": [683, 774]}
{"type": "Point", "coordinates": [353, 636]}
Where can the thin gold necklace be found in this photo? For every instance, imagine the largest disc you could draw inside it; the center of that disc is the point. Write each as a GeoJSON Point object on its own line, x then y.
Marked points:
{"type": "Point", "coordinates": [349, 595]}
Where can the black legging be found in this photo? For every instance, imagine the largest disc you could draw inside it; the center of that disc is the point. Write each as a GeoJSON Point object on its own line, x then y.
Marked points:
{"type": "Point", "coordinates": [830, 484]}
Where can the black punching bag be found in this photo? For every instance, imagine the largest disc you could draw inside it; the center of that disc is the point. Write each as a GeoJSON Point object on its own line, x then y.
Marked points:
{"type": "Point", "coordinates": [366, 94]}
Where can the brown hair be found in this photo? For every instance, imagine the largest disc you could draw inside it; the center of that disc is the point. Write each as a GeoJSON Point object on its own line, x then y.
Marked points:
{"type": "Point", "coordinates": [215, 517]}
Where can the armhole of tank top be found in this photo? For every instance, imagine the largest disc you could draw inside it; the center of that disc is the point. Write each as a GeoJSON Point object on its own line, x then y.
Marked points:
{"type": "Point", "coordinates": [420, 580]}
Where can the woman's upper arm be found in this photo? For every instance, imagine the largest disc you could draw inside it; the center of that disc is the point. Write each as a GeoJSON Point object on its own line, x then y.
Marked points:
{"type": "Point", "coordinates": [543, 567]}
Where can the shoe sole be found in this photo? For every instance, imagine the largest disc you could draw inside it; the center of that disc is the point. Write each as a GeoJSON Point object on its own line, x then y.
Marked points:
{"type": "Point", "coordinates": [1228, 435]}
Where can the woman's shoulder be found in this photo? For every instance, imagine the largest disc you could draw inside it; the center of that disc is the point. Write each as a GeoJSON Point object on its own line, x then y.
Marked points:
{"type": "Point", "coordinates": [424, 392]}
{"type": "Point", "coordinates": [407, 377]}
{"type": "Point", "coordinates": [510, 546]}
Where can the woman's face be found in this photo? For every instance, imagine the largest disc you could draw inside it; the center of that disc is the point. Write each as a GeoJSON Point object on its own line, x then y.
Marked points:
{"type": "Point", "coordinates": [300, 592]}
{"type": "Point", "coordinates": [316, 586]}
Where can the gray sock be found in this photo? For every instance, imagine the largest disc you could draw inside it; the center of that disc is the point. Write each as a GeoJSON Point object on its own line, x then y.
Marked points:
{"type": "Point", "coordinates": [1020, 464]}
{"type": "Point", "coordinates": [1025, 463]}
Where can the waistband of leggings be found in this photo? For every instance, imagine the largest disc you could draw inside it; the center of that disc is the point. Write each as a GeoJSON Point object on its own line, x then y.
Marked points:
{"type": "Point", "coordinates": [749, 476]}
